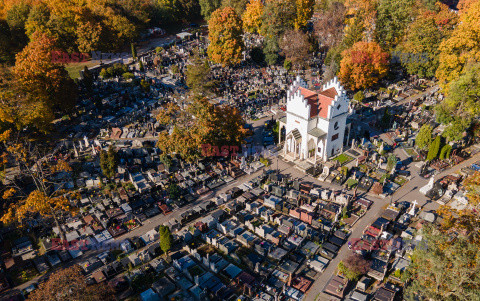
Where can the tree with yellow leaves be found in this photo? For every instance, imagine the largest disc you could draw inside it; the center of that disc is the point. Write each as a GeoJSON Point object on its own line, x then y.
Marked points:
{"type": "Point", "coordinates": [198, 124]}
{"type": "Point", "coordinates": [304, 10]}
{"type": "Point", "coordinates": [462, 47]}
{"type": "Point", "coordinates": [225, 35]}
{"type": "Point", "coordinates": [366, 11]}
{"type": "Point", "coordinates": [363, 65]}
{"type": "Point", "coordinates": [49, 199]}
{"type": "Point", "coordinates": [252, 17]}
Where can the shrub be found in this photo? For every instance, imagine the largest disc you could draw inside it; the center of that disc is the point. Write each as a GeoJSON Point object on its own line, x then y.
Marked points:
{"type": "Point", "coordinates": [434, 148]}
{"type": "Point", "coordinates": [128, 75]}
{"type": "Point", "coordinates": [359, 96]}
{"type": "Point", "coordinates": [265, 161]}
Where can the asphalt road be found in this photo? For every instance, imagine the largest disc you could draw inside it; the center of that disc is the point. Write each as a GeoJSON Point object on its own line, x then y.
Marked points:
{"type": "Point", "coordinates": [408, 192]}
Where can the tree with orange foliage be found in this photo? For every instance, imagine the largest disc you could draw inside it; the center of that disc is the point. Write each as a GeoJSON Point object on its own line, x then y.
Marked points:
{"type": "Point", "coordinates": [252, 17]}
{"type": "Point", "coordinates": [363, 65]}
{"type": "Point", "coordinates": [364, 10]}
{"type": "Point", "coordinates": [19, 107]}
{"type": "Point", "coordinates": [36, 72]}
{"type": "Point", "coordinates": [225, 36]}
{"type": "Point", "coordinates": [70, 285]}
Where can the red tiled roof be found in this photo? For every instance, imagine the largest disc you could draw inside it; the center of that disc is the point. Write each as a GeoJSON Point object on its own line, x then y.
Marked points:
{"type": "Point", "coordinates": [319, 102]}
{"type": "Point", "coordinates": [302, 284]}
{"type": "Point", "coordinates": [330, 93]}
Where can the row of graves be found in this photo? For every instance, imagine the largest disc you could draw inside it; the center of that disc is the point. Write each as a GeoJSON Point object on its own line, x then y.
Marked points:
{"type": "Point", "coordinates": [271, 240]}
{"type": "Point", "coordinates": [119, 104]}
{"type": "Point", "coordinates": [400, 91]}
{"type": "Point", "coordinates": [388, 244]}
{"type": "Point", "coordinates": [251, 89]}
{"type": "Point", "coordinates": [450, 190]}
{"type": "Point", "coordinates": [138, 192]}
{"type": "Point", "coordinates": [365, 169]}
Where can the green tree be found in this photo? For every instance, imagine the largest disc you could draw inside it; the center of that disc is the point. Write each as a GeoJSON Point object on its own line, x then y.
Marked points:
{"type": "Point", "coordinates": [37, 19]}
{"type": "Point", "coordinates": [463, 97]}
{"type": "Point", "coordinates": [198, 76]}
{"type": "Point", "coordinates": [391, 162]}
{"type": "Point", "coordinates": [354, 32]}
{"type": "Point", "coordinates": [424, 137]}
{"type": "Point", "coordinates": [393, 17]}
{"type": "Point", "coordinates": [16, 18]}
{"type": "Point", "coordinates": [445, 152]}
{"type": "Point", "coordinates": [134, 50]}
{"type": "Point", "coordinates": [278, 17]}
{"type": "Point", "coordinates": [225, 35]}
{"type": "Point", "coordinates": [237, 5]}
{"type": "Point", "coordinates": [166, 11]}
{"type": "Point", "coordinates": [434, 148]}
{"type": "Point", "coordinates": [166, 239]}
{"type": "Point", "coordinates": [287, 65]}
{"type": "Point", "coordinates": [175, 70]}
{"type": "Point", "coordinates": [443, 268]}
{"type": "Point", "coordinates": [167, 162]}
{"type": "Point", "coordinates": [454, 131]}
{"type": "Point", "coordinates": [173, 191]}
{"type": "Point", "coordinates": [207, 7]}
{"type": "Point", "coordinates": [140, 66]}
{"type": "Point", "coordinates": [421, 46]}
{"type": "Point", "coordinates": [189, 9]}
{"type": "Point", "coordinates": [109, 162]}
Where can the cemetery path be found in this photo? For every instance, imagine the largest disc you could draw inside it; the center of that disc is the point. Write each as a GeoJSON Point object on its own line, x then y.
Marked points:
{"type": "Point", "coordinates": [418, 95]}
{"type": "Point", "coordinates": [408, 192]}
{"type": "Point", "coordinates": [315, 292]}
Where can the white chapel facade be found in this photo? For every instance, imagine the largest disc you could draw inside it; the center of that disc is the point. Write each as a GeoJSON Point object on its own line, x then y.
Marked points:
{"type": "Point", "coordinates": [315, 121]}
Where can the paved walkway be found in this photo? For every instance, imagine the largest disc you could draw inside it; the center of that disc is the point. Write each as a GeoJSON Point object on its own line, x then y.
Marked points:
{"type": "Point", "coordinates": [408, 192]}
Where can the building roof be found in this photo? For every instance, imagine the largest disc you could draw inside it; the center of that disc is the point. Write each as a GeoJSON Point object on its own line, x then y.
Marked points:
{"type": "Point", "coordinates": [336, 286]}
{"type": "Point", "coordinates": [316, 132]}
{"type": "Point", "coordinates": [296, 134]}
{"type": "Point", "coordinates": [319, 102]}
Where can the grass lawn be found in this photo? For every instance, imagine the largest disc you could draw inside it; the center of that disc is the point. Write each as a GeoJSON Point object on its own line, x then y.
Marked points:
{"type": "Point", "coordinates": [342, 158]}
{"type": "Point", "coordinates": [410, 151]}
{"type": "Point", "coordinates": [73, 69]}
{"type": "Point", "coordinates": [400, 180]}
{"type": "Point", "coordinates": [351, 183]}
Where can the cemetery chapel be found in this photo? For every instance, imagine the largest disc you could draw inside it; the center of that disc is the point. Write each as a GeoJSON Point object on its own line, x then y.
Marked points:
{"type": "Point", "coordinates": [315, 126]}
